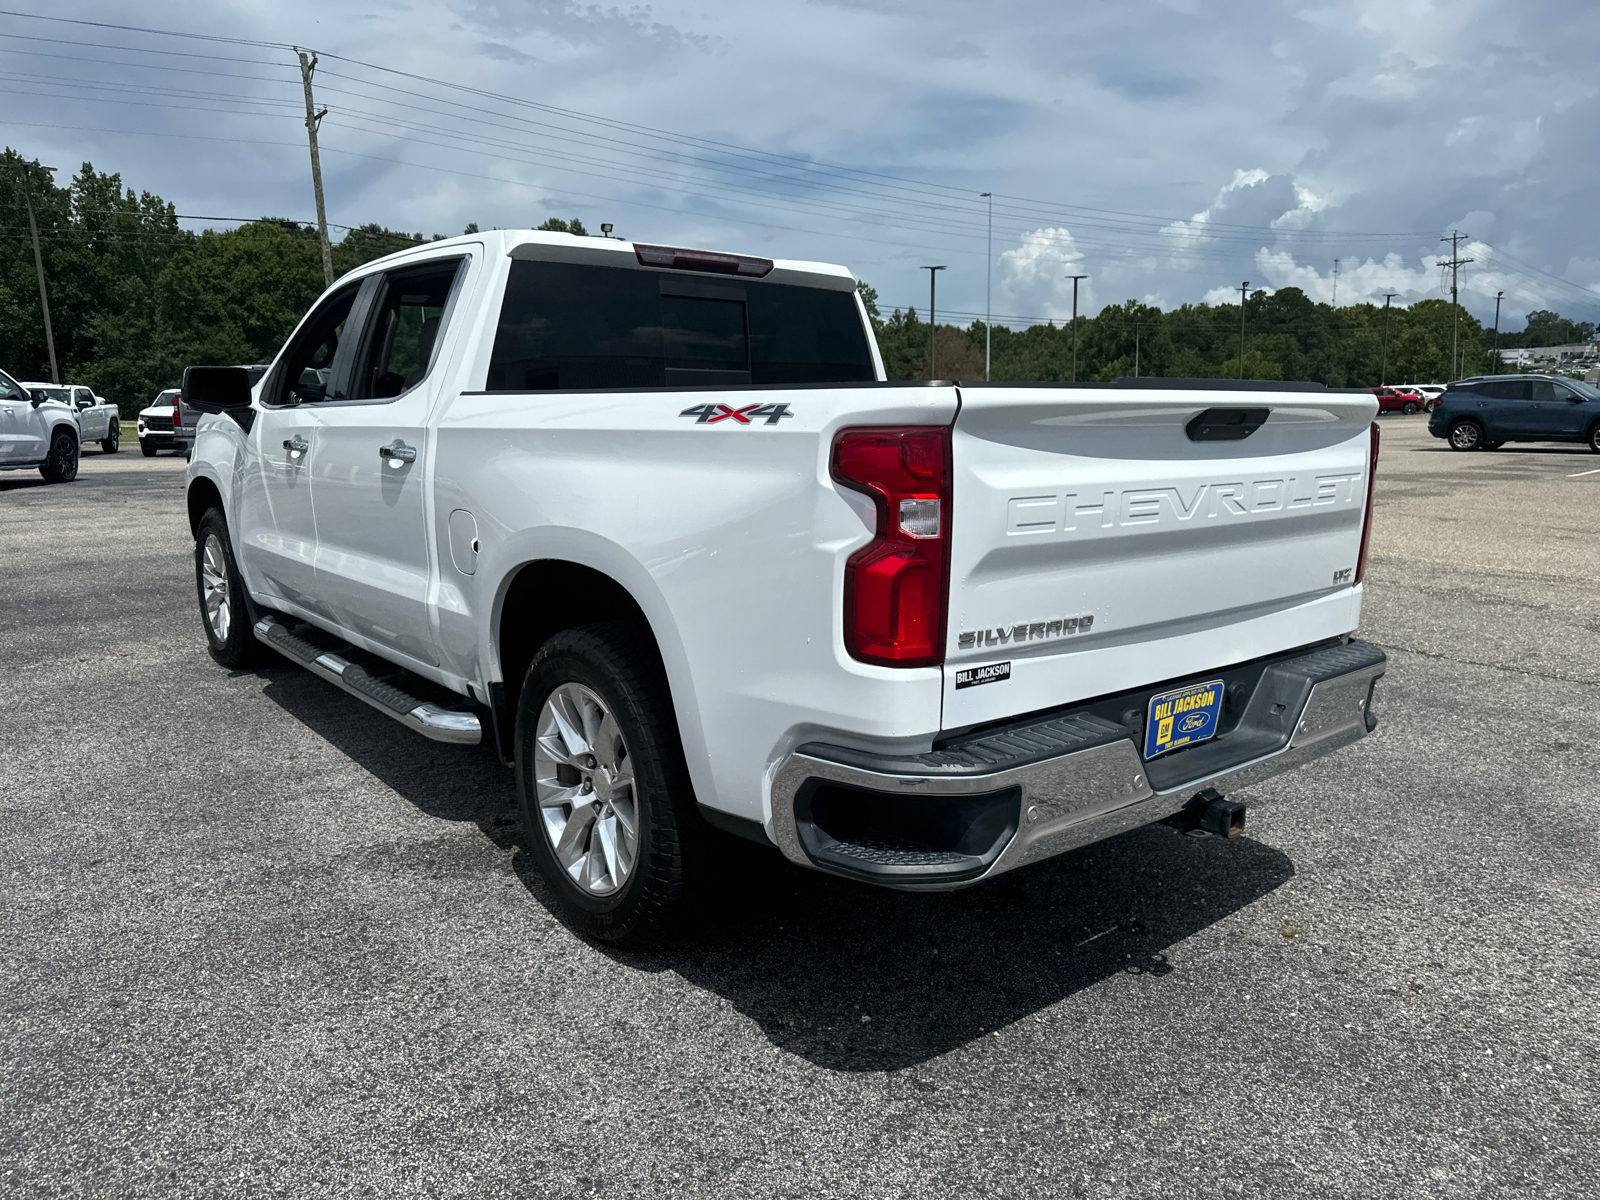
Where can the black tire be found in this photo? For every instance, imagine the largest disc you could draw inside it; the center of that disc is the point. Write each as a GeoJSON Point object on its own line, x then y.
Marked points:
{"type": "Point", "coordinates": [618, 664]}
{"type": "Point", "coordinates": [112, 442]}
{"type": "Point", "coordinates": [1465, 435]}
{"type": "Point", "coordinates": [1409, 408]}
{"type": "Point", "coordinates": [234, 644]}
{"type": "Point", "coordinates": [61, 464]}
{"type": "Point", "coordinates": [1594, 437]}
{"type": "Point", "coordinates": [1492, 445]}
{"type": "Point", "coordinates": [147, 448]}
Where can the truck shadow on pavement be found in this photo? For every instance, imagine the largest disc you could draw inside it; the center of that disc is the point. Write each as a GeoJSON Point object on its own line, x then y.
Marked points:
{"type": "Point", "coordinates": [847, 976]}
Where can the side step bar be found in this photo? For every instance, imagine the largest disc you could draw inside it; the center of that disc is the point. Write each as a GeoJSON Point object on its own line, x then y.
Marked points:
{"type": "Point", "coordinates": [426, 718]}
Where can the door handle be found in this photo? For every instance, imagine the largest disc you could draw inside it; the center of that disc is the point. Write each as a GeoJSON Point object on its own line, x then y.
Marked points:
{"type": "Point", "coordinates": [397, 453]}
{"type": "Point", "coordinates": [296, 446]}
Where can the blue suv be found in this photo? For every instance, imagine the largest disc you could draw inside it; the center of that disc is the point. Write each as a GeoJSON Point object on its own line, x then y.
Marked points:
{"type": "Point", "coordinates": [1486, 412]}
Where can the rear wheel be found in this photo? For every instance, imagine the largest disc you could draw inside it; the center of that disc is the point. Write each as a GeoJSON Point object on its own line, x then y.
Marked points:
{"type": "Point", "coordinates": [112, 442]}
{"type": "Point", "coordinates": [61, 465]}
{"type": "Point", "coordinates": [1466, 435]}
{"type": "Point", "coordinates": [607, 809]}
{"type": "Point", "coordinates": [223, 612]}
{"type": "Point", "coordinates": [1409, 407]}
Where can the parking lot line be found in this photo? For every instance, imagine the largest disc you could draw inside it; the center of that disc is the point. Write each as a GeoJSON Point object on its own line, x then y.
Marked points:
{"type": "Point", "coordinates": [1581, 474]}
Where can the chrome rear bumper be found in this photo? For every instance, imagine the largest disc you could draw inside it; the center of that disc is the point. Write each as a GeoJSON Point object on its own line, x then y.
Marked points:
{"type": "Point", "coordinates": [1074, 778]}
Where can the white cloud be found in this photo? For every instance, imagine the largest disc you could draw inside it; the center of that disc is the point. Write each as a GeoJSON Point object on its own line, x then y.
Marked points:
{"type": "Point", "coordinates": [1032, 279]}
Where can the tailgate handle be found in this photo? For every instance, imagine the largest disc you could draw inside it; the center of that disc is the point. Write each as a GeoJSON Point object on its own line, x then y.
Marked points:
{"type": "Point", "coordinates": [1226, 424]}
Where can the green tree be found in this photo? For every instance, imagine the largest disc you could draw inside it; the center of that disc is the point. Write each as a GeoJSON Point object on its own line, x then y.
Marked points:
{"type": "Point", "coordinates": [557, 225]}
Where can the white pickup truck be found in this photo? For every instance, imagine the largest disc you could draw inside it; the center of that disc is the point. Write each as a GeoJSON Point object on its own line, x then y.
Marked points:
{"type": "Point", "coordinates": [652, 520]}
{"type": "Point", "coordinates": [98, 418]}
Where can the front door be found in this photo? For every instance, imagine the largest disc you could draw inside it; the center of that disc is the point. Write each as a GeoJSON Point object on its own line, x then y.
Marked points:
{"type": "Point", "coordinates": [276, 533]}
{"type": "Point", "coordinates": [19, 440]}
{"type": "Point", "coordinates": [1560, 413]}
{"type": "Point", "coordinates": [370, 477]}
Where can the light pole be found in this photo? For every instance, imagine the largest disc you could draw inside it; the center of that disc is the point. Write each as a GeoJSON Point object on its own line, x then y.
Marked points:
{"type": "Point", "coordinates": [1136, 349]}
{"type": "Point", "coordinates": [1497, 363]}
{"type": "Point", "coordinates": [1244, 291]}
{"type": "Point", "coordinates": [932, 281]}
{"type": "Point", "coordinates": [988, 303]}
{"type": "Point", "coordinates": [1383, 371]}
{"type": "Point", "coordinates": [1075, 279]}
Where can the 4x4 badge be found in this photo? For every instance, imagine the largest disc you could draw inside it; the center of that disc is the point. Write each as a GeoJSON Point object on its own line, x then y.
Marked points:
{"type": "Point", "coordinates": [710, 414]}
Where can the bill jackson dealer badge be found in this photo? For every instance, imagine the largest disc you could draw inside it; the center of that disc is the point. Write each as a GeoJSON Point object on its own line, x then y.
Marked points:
{"type": "Point", "coordinates": [974, 676]}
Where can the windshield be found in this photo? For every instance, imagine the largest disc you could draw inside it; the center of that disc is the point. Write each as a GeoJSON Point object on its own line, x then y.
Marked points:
{"type": "Point", "coordinates": [168, 397]}
{"type": "Point", "coordinates": [59, 394]}
{"type": "Point", "coordinates": [1587, 390]}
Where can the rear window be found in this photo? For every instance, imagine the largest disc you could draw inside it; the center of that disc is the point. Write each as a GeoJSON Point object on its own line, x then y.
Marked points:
{"type": "Point", "coordinates": [565, 325]}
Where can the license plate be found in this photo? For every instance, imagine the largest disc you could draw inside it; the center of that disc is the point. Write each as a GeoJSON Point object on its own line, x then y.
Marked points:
{"type": "Point", "coordinates": [1182, 718]}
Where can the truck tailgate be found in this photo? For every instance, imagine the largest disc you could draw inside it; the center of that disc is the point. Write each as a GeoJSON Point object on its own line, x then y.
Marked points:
{"type": "Point", "coordinates": [1095, 546]}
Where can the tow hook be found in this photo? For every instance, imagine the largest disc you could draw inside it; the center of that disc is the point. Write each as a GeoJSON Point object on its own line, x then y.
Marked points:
{"type": "Point", "coordinates": [1208, 811]}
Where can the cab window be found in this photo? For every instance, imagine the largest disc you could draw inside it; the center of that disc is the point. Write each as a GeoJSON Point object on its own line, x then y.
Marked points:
{"type": "Point", "coordinates": [404, 329]}
{"type": "Point", "coordinates": [306, 373]}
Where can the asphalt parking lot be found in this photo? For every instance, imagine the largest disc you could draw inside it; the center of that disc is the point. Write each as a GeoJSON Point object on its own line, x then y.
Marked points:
{"type": "Point", "coordinates": [259, 941]}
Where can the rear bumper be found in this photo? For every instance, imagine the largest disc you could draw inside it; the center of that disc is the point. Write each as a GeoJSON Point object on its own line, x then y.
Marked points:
{"type": "Point", "coordinates": [1048, 784]}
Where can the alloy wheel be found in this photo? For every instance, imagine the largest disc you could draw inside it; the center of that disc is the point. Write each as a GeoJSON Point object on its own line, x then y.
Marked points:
{"type": "Point", "coordinates": [585, 789]}
{"type": "Point", "coordinates": [1465, 436]}
{"type": "Point", "coordinates": [214, 588]}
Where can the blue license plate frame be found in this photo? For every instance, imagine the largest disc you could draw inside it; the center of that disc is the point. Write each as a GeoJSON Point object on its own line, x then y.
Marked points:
{"type": "Point", "coordinates": [1185, 716]}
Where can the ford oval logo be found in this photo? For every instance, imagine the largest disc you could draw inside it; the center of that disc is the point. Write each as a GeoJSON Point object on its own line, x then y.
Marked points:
{"type": "Point", "coordinates": [1192, 722]}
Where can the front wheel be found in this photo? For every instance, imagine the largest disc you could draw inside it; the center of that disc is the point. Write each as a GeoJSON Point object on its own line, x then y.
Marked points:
{"type": "Point", "coordinates": [221, 591]}
{"type": "Point", "coordinates": [1465, 435]}
{"type": "Point", "coordinates": [61, 464]}
{"type": "Point", "coordinates": [607, 809]}
{"type": "Point", "coordinates": [1594, 438]}
{"type": "Point", "coordinates": [112, 442]}
{"type": "Point", "coordinates": [148, 449]}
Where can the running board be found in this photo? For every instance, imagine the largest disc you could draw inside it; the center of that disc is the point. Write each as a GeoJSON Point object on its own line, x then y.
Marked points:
{"type": "Point", "coordinates": [426, 718]}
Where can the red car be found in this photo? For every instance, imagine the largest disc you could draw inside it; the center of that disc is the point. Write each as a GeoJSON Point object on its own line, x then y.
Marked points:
{"type": "Point", "coordinates": [1396, 400]}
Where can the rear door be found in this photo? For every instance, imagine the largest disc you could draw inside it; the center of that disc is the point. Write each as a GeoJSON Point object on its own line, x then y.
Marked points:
{"type": "Point", "coordinates": [370, 476]}
{"type": "Point", "coordinates": [1097, 546]}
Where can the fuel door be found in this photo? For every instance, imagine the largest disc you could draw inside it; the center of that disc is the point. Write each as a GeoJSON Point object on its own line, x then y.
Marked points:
{"type": "Point", "coordinates": [464, 541]}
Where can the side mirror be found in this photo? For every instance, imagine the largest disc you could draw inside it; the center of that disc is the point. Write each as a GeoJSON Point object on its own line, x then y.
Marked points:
{"type": "Point", "coordinates": [36, 398]}
{"type": "Point", "coordinates": [216, 389]}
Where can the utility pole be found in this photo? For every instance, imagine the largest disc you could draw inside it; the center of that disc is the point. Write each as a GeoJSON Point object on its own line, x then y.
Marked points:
{"type": "Point", "coordinates": [1455, 262]}
{"type": "Point", "coordinates": [313, 118]}
{"type": "Point", "coordinates": [1497, 363]}
{"type": "Point", "coordinates": [1383, 372]}
{"type": "Point", "coordinates": [1244, 291]}
{"type": "Point", "coordinates": [1075, 279]}
{"type": "Point", "coordinates": [1136, 349]}
{"type": "Point", "coordinates": [932, 278]}
{"type": "Point", "coordinates": [38, 261]}
{"type": "Point", "coordinates": [988, 302]}
{"type": "Point", "coordinates": [1335, 303]}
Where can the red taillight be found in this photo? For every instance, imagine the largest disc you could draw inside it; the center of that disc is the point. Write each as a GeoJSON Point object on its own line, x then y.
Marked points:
{"type": "Point", "coordinates": [1366, 520]}
{"type": "Point", "coordinates": [702, 260]}
{"type": "Point", "coordinates": [894, 590]}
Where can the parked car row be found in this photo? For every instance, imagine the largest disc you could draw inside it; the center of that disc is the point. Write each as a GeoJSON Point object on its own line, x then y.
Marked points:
{"type": "Point", "coordinates": [1408, 398]}
{"type": "Point", "coordinates": [1486, 412]}
{"type": "Point", "coordinates": [38, 428]}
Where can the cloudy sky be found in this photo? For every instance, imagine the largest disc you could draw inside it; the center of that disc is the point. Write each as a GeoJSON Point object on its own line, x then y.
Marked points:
{"type": "Point", "coordinates": [1166, 149]}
